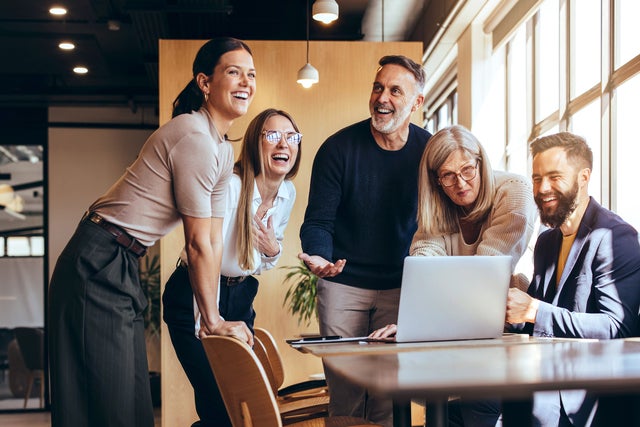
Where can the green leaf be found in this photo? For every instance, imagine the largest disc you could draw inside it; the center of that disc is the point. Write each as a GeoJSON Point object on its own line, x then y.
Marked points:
{"type": "Point", "coordinates": [300, 297]}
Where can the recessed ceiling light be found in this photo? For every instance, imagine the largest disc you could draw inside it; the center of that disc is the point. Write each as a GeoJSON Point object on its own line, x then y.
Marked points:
{"type": "Point", "coordinates": [80, 70]}
{"type": "Point", "coordinates": [66, 46]}
{"type": "Point", "coordinates": [58, 10]}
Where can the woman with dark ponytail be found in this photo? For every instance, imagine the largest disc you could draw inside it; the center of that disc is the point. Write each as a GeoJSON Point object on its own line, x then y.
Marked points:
{"type": "Point", "coordinates": [260, 197]}
{"type": "Point", "coordinates": [99, 373]}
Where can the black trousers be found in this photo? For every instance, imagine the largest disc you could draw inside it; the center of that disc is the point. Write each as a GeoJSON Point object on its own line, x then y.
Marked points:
{"type": "Point", "coordinates": [97, 352]}
{"type": "Point", "coordinates": [236, 303]}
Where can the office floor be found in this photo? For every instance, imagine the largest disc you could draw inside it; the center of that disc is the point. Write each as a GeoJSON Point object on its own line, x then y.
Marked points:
{"type": "Point", "coordinates": [42, 419]}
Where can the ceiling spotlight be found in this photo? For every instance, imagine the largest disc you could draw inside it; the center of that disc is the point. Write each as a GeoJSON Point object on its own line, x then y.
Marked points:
{"type": "Point", "coordinates": [80, 70]}
{"type": "Point", "coordinates": [66, 46]}
{"type": "Point", "coordinates": [325, 11]}
{"type": "Point", "coordinates": [58, 10]}
{"type": "Point", "coordinates": [113, 25]}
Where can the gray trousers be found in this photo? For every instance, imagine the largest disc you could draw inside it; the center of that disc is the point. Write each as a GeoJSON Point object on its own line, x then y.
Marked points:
{"type": "Point", "coordinates": [353, 312]}
{"type": "Point", "coordinates": [97, 352]}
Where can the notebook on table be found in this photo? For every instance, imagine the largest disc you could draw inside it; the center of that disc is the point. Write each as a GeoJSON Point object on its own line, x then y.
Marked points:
{"type": "Point", "coordinates": [447, 298]}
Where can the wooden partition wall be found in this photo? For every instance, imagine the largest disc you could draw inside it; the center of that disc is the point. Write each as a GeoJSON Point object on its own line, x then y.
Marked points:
{"type": "Point", "coordinates": [347, 70]}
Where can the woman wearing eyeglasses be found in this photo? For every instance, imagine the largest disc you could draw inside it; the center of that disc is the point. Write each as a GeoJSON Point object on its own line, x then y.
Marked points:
{"type": "Point", "coordinates": [260, 196]}
{"type": "Point", "coordinates": [467, 208]}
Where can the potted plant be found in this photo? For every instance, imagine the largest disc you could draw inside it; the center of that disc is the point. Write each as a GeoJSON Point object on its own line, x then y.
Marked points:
{"type": "Point", "coordinates": [150, 283]}
{"type": "Point", "coordinates": [301, 295]}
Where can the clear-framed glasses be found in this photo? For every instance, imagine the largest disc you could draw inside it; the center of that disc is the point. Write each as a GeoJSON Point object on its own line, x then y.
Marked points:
{"type": "Point", "coordinates": [467, 173]}
{"type": "Point", "coordinates": [275, 136]}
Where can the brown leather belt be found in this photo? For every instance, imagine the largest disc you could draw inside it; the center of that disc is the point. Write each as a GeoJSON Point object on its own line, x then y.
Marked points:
{"type": "Point", "coordinates": [122, 237]}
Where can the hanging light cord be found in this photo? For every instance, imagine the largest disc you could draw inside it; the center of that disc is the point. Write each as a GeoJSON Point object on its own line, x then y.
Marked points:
{"type": "Point", "coordinates": [307, 4]}
{"type": "Point", "coordinates": [382, 14]}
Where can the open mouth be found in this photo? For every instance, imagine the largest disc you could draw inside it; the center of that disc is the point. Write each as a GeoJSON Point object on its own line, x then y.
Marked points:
{"type": "Point", "coordinates": [280, 157]}
{"type": "Point", "coordinates": [383, 110]}
{"type": "Point", "coordinates": [240, 95]}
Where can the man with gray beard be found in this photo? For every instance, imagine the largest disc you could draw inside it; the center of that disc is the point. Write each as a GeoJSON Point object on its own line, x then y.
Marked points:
{"type": "Point", "coordinates": [586, 281]}
{"type": "Point", "coordinates": [360, 220]}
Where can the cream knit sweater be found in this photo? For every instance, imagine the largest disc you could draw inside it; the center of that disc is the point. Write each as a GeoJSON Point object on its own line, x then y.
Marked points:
{"type": "Point", "coordinates": [507, 229]}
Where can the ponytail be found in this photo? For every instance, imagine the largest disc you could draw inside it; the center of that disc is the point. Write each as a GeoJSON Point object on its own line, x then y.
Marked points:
{"type": "Point", "coordinates": [190, 99]}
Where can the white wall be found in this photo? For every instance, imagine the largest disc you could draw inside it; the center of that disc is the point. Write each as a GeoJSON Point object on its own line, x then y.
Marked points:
{"type": "Point", "coordinates": [21, 292]}
{"type": "Point", "coordinates": [84, 163]}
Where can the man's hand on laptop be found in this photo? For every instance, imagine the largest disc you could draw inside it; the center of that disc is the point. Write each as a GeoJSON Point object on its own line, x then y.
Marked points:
{"type": "Point", "coordinates": [387, 331]}
{"type": "Point", "coordinates": [521, 307]}
{"type": "Point", "coordinates": [321, 267]}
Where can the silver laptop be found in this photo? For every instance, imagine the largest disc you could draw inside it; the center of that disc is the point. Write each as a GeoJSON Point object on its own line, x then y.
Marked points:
{"type": "Point", "coordinates": [453, 298]}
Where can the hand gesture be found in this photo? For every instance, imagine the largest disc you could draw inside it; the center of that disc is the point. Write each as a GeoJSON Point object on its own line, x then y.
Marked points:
{"type": "Point", "coordinates": [264, 237]}
{"type": "Point", "coordinates": [321, 267]}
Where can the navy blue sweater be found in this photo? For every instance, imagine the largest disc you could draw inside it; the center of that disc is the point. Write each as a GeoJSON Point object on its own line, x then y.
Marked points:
{"type": "Point", "coordinates": [362, 205]}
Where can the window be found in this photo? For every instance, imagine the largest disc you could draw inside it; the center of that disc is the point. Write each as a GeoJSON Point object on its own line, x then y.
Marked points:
{"type": "Point", "coordinates": [22, 246]}
{"type": "Point", "coordinates": [559, 76]}
{"type": "Point", "coordinates": [547, 56]}
{"type": "Point", "coordinates": [586, 123]}
{"type": "Point", "coordinates": [517, 130]}
{"type": "Point", "coordinates": [585, 45]}
{"type": "Point", "coordinates": [626, 31]}
{"type": "Point", "coordinates": [443, 113]}
{"type": "Point", "coordinates": [626, 151]}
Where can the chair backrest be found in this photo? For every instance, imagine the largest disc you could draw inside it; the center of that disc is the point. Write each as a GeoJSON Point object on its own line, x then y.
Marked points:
{"type": "Point", "coordinates": [277, 366]}
{"type": "Point", "coordinates": [31, 343]}
{"type": "Point", "coordinates": [261, 353]}
{"type": "Point", "coordinates": [243, 383]}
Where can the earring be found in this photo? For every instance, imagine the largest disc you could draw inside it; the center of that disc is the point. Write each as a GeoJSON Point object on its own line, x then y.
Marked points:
{"type": "Point", "coordinates": [206, 97]}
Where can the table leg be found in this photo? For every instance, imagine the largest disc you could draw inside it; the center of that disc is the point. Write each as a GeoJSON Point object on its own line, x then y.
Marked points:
{"type": "Point", "coordinates": [517, 413]}
{"type": "Point", "coordinates": [437, 413]}
{"type": "Point", "coordinates": [401, 414]}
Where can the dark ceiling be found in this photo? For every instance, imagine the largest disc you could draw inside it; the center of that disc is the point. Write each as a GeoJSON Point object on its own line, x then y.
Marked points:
{"type": "Point", "coordinates": [118, 41]}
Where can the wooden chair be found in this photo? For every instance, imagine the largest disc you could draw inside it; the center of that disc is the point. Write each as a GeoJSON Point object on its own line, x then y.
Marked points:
{"type": "Point", "coordinates": [246, 392]}
{"type": "Point", "coordinates": [31, 343]}
{"type": "Point", "coordinates": [302, 389]}
{"type": "Point", "coordinates": [299, 407]}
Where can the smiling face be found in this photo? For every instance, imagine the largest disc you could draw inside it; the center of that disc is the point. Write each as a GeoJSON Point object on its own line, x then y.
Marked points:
{"type": "Point", "coordinates": [279, 158]}
{"type": "Point", "coordinates": [555, 186]}
{"type": "Point", "coordinates": [393, 98]}
{"type": "Point", "coordinates": [462, 193]}
{"type": "Point", "coordinates": [231, 87]}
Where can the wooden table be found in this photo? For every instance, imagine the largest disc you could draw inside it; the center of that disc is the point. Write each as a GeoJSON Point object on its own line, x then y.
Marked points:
{"type": "Point", "coordinates": [511, 369]}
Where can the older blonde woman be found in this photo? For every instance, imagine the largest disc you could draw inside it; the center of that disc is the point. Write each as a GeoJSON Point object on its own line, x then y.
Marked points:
{"type": "Point", "coordinates": [467, 208]}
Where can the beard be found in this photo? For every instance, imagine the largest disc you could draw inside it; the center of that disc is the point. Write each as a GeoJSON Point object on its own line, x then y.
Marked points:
{"type": "Point", "coordinates": [567, 203]}
{"type": "Point", "coordinates": [398, 117]}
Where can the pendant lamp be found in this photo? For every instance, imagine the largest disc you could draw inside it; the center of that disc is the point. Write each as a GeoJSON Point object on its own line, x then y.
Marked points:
{"type": "Point", "coordinates": [308, 75]}
{"type": "Point", "coordinates": [325, 11]}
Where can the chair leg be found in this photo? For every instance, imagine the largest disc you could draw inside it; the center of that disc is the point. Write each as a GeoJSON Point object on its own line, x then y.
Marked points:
{"type": "Point", "coordinates": [41, 377]}
{"type": "Point", "coordinates": [26, 396]}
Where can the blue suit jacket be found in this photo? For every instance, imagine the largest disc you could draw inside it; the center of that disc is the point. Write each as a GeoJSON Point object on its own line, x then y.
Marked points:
{"type": "Point", "coordinates": [598, 295]}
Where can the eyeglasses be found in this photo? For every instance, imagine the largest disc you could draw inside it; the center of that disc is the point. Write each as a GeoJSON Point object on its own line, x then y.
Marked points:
{"type": "Point", "coordinates": [275, 136]}
{"type": "Point", "coordinates": [467, 173]}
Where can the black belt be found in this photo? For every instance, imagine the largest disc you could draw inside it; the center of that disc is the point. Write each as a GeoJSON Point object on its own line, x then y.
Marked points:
{"type": "Point", "coordinates": [232, 281]}
{"type": "Point", "coordinates": [224, 280]}
{"type": "Point", "coordinates": [122, 237]}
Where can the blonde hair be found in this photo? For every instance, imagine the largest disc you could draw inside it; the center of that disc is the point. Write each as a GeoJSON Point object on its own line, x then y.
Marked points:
{"type": "Point", "coordinates": [249, 165]}
{"type": "Point", "coordinates": [437, 214]}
